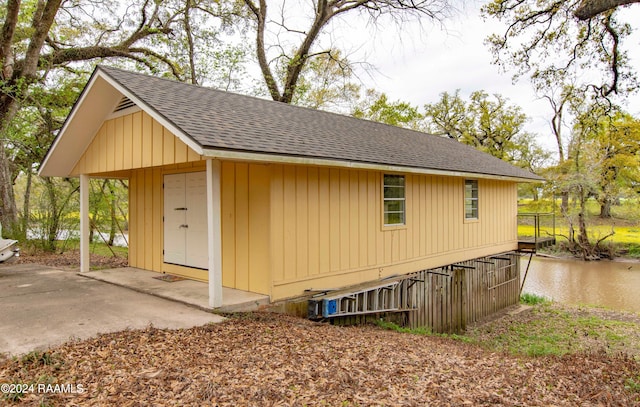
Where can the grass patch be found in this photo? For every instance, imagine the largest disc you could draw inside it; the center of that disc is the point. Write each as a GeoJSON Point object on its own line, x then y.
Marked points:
{"type": "Point", "coordinates": [532, 299]}
{"type": "Point", "coordinates": [633, 384]}
{"type": "Point", "coordinates": [623, 234]}
{"type": "Point", "coordinates": [550, 329]}
{"type": "Point", "coordinates": [39, 358]}
{"type": "Point", "coordinates": [99, 248]}
{"type": "Point", "coordinates": [392, 326]}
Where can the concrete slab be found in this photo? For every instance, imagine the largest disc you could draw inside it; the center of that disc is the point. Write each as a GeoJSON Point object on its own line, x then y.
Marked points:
{"type": "Point", "coordinates": [43, 306]}
{"type": "Point", "coordinates": [190, 292]}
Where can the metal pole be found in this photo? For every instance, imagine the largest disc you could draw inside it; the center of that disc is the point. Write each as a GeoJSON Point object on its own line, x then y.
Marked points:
{"type": "Point", "coordinates": [526, 272]}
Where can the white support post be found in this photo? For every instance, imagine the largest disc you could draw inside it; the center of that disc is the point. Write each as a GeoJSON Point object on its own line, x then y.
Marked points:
{"type": "Point", "coordinates": [214, 230]}
{"type": "Point", "coordinates": [84, 223]}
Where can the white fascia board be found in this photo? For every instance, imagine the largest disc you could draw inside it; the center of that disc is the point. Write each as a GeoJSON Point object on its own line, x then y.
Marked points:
{"type": "Point", "coordinates": [327, 162]}
{"type": "Point", "coordinates": [153, 113]}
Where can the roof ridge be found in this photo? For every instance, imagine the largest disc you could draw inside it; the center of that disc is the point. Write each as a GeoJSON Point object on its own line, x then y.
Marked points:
{"type": "Point", "coordinates": [253, 97]}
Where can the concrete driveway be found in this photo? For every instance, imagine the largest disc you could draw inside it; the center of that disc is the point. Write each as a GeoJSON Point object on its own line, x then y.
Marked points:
{"type": "Point", "coordinates": [42, 306]}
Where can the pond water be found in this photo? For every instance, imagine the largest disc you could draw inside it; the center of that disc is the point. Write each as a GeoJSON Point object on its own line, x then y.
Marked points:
{"type": "Point", "coordinates": [610, 284]}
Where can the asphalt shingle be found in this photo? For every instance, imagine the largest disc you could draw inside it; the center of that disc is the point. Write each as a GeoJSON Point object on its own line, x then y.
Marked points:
{"type": "Point", "coordinates": [221, 120]}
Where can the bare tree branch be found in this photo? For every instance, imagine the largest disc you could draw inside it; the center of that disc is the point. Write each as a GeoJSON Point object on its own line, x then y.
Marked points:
{"type": "Point", "coordinates": [324, 11]}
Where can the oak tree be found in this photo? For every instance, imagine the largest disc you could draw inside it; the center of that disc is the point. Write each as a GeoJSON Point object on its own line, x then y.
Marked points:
{"type": "Point", "coordinates": [40, 38]}
{"type": "Point", "coordinates": [486, 122]}
{"type": "Point", "coordinates": [285, 43]}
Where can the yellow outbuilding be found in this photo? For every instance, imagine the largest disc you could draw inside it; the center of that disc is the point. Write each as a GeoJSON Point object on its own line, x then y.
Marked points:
{"type": "Point", "coordinates": [276, 199]}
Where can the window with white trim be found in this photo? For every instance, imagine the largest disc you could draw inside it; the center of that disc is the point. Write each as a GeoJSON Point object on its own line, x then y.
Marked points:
{"type": "Point", "coordinates": [394, 200]}
{"type": "Point", "coordinates": [470, 199]}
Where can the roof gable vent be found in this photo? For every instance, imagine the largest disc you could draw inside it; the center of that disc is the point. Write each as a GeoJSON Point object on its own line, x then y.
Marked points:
{"type": "Point", "coordinates": [125, 103]}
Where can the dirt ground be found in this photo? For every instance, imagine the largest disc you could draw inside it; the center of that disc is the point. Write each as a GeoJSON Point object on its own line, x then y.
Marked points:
{"type": "Point", "coordinates": [68, 259]}
{"type": "Point", "coordinates": [267, 359]}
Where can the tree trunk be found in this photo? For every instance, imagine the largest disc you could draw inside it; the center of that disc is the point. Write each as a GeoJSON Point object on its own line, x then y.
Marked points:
{"type": "Point", "coordinates": [112, 212]}
{"type": "Point", "coordinates": [564, 204]}
{"type": "Point", "coordinates": [9, 210]}
{"type": "Point", "coordinates": [54, 221]}
{"type": "Point", "coordinates": [605, 209]}
{"type": "Point", "coordinates": [26, 207]}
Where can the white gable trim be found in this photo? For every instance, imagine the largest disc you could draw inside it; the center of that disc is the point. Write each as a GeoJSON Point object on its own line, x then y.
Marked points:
{"type": "Point", "coordinates": [95, 105]}
{"type": "Point", "coordinates": [53, 164]}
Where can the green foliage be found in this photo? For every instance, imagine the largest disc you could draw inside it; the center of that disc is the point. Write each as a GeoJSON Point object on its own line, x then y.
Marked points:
{"type": "Point", "coordinates": [53, 203]}
{"type": "Point", "coordinates": [488, 123]}
{"type": "Point", "coordinates": [616, 147]}
{"type": "Point", "coordinates": [108, 201]}
{"type": "Point", "coordinates": [602, 161]}
{"type": "Point", "coordinates": [532, 299]}
{"type": "Point", "coordinates": [16, 396]}
{"type": "Point", "coordinates": [633, 250]}
{"type": "Point", "coordinates": [377, 107]}
{"type": "Point", "coordinates": [326, 82]}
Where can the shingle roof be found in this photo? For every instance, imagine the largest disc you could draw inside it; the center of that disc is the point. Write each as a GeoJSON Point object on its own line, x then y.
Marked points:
{"type": "Point", "coordinates": [225, 121]}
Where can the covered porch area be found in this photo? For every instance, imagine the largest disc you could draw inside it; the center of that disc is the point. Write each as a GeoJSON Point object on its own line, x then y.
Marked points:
{"type": "Point", "coordinates": [187, 291]}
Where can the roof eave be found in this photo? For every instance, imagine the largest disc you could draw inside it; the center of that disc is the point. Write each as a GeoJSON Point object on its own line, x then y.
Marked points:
{"type": "Point", "coordinates": [328, 162]}
{"type": "Point", "coordinates": [56, 162]}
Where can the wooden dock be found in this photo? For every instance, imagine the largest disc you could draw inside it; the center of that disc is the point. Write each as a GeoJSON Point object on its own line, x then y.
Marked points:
{"type": "Point", "coordinates": [544, 231]}
{"type": "Point", "coordinates": [533, 244]}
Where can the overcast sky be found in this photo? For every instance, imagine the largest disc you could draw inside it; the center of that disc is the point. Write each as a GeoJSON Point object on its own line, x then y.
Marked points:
{"type": "Point", "coordinates": [418, 65]}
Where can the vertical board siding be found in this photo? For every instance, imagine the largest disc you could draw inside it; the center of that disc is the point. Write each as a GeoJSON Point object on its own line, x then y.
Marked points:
{"type": "Point", "coordinates": [246, 226]}
{"type": "Point", "coordinates": [139, 143]}
{"type": "Point", "coordinates": [324, 230]}
{"type": "Point", "coordinates": [290, 227]}
{"type": "Point", "coordinates": [259, 213]}
{"type": "Point", "coordinates": [241, 221]}
{"type": "Point", "coordinates": [228, 209]}
{"type": "Point", "coordinates": [145, 215]}
{"type": "Point", "coordinates": [326, 225]}
{"type": "Point", "coordinates": [131, 142]}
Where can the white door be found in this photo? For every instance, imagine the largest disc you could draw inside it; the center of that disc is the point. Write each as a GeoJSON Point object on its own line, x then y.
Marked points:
{"type": "Point", "coordinates": [196, 220]}
{"type": "Point", "coordinates": [175, 208]}
{"type": "Point", "coordinates": [185, 219]}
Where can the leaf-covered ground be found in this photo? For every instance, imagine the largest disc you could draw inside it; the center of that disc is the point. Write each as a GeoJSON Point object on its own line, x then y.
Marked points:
{"type": "Point", "coordinates": [266, 359]}
{"type": "Point", "coordinates": [69, 259]}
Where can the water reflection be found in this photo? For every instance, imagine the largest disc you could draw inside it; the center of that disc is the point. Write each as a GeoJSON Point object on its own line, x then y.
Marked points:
{"type": "Point", "coordinates": [611, 284]}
